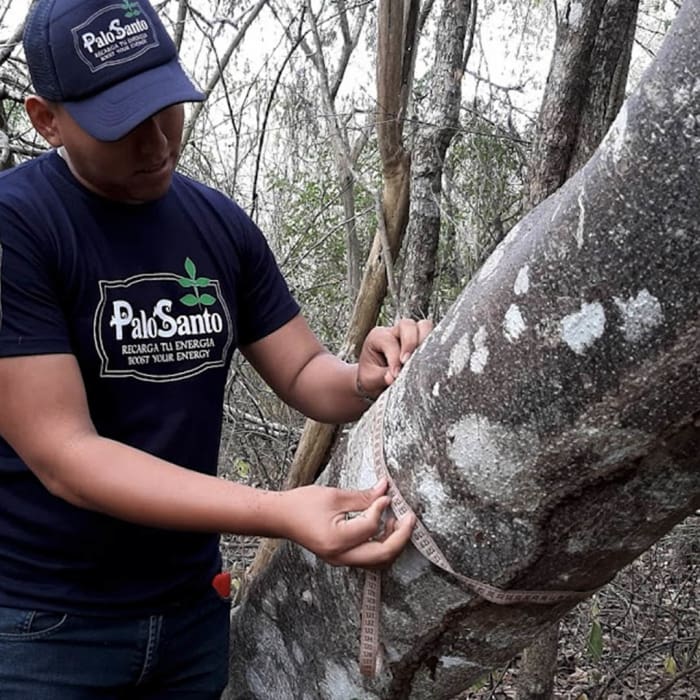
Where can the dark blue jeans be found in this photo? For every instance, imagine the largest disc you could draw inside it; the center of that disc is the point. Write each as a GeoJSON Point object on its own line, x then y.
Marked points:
{"type": "Point", "coordinates": [182, 654]}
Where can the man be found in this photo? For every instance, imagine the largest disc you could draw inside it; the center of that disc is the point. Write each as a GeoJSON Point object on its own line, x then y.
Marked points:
{"type": "Point", "coordinates": [124, 289]}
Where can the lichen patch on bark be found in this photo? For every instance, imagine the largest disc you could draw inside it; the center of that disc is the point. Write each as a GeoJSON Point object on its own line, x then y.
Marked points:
{"type": "Point", "coordinates": [459, 356]}
{"type": "Point", "coordinates": [513, 323]}
{"type": "Point", "coordinates": [522, 281]}
{"type": "Point", "coordinates": [581, 329]}
{"type": "Point", "coordinates": [640, 315]}
{"type": "Point", "coordinates": [480, 356]}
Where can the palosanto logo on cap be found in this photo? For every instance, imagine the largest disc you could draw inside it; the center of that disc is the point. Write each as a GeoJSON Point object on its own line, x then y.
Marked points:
{"type": "Point", "coordinates": [117, 33]}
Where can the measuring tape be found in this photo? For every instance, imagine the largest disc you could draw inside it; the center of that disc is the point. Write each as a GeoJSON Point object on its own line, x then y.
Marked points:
{"type": "Point", "coordinates": [370, 658]}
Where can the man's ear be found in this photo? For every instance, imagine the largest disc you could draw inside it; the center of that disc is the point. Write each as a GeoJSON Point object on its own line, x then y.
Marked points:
{"type": "Point", "coordinates": [42, 114]}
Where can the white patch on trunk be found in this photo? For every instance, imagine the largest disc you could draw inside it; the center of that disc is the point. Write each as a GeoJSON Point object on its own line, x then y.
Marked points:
{"type": "Point", "coordinates": [512, 234]}
{"type": "Point", "coordinates": [480, 356]}
{"type": "Point", "coordinates": [580, 228]}
{"type": "Point", "coordinates": [452, 661]}
{"type": "Point", "coordinates": [522, 281]}
{"type": "Point", "coordinates": [615, 138]}
{"type": "Point", "coordinates": [492, 458]}
{"type": "Point", "coordinates": [459, 356]}
{"type": "Point", "coordinates": [575, 15]}
{"type": "Point", "coordinates": [360, 472]}
{"type": "Point", "coordinates": [581, 329]}
{"type": "Point", "coordinates": [307, 597]}
{"type": "Point", "coordinates": [489, 267]}
{"type": "Point", "coordinates": [432, 495]}
{"type": "Point", "coordinates": [337, 683]}
{"type": "Point", "coordinates": [640, 315]}
{"type": "Point", "coordinates": [513, 323]}
{"type": "Point", "coordinates": [436, 389]}
{"type": "Point", "coordinates": [449, 330]}
{"type": "Point", "coordinates": [556, 210]}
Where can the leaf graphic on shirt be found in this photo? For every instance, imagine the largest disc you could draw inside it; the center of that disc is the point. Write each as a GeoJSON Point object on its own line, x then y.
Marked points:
{"type": "Point", "coordinates": [195, 283]}
{"type": "Point", "coordinates": [131, 9]}
{"type": "Point", "coordinates": [189, 300]}
{"type": "Point", "coordinates": [199, 282]}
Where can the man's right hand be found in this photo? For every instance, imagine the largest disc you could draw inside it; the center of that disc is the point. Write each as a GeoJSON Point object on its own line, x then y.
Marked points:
{"type": "Point", "coordinates": [317, 519]}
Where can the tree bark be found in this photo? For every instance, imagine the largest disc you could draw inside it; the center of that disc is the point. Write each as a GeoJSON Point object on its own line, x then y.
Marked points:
{"type": "Point", "coordinates": [560, 114]}
{"type": "Point", "coordinates": [437, 129]}
{"type": "Point", "coordinates": [605, 78]}
{"type": "Point", "coordinates": [537, 666]}
{"type": "Point", "coordinates": [547, 432]}
{"type": "Point", "coordinates": [609, 66]}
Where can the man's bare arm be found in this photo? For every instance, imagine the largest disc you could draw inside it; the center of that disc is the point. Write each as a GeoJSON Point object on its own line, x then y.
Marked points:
{"type": "Point", "coordinates": [44, 416]}
{"type": "Point", "coordinates": [312, 380]}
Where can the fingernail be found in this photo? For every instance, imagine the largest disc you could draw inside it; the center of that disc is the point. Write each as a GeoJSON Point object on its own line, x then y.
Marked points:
{"type": "Point", "coordinates": [404, 358]}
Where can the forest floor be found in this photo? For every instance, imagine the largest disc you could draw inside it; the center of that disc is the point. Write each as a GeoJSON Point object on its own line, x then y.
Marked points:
{"type": "Point", "coordinates": [637, 639]}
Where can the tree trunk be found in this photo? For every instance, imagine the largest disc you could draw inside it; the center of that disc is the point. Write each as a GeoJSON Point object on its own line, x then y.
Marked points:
{"type": "Point", "coordinates": [600, 103]}
{"type": "Point", "coordinates": [605, 91]}
{"type": "Point", "coordinates": [438, 126]}
{"type": "Point", "coordinates": [547, 432]}
{"type": "Point", "coordinates": [560, 114]}
{"type": "Point", "coordinates": [537, 666]}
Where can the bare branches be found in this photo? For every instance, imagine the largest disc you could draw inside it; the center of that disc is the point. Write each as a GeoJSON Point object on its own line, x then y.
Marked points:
{"type": "Point", "coordinates": [8, 46]}
{"type": "Point", "coordinates": [222, 63]}
{"type": "Point", "coordinates": [182, 7]}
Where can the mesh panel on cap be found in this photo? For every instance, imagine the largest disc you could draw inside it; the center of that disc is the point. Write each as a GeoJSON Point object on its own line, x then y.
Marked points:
{"type": "Point", "coordinates": [37, 50]}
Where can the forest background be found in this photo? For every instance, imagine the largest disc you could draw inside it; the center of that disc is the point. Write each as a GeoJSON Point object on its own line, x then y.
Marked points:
{"type": "Point", "coordinates": [289, 131]}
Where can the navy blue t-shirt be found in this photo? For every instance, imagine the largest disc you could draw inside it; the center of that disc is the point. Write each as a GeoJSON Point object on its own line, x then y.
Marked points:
{"type": "Point", "coordinates": [152, 299]}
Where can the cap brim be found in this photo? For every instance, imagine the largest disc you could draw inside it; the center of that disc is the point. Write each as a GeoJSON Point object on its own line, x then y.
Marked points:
{"type": "Point", "coordinates": [114, 112]}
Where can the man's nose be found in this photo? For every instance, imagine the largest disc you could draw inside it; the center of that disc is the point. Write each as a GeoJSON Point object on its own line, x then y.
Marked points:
{"type": "Point", "coordinates": [149, 135]}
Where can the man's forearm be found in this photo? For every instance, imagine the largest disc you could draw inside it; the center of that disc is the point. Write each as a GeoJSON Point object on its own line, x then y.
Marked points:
{"type": "Point", "coordinates": [326, 390]}
{"type": "Point", "coordinates": [106, 476]}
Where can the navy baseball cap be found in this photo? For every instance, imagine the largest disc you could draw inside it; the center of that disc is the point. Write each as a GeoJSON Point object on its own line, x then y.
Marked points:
{"type": "Point", "coordinates": [110, 63]}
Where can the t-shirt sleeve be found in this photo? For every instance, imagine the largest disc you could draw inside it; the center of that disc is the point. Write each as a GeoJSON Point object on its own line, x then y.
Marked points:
{"type": "Point", "coordinates": [266, 302]}
{"type": "Point", "coordinates": [31, 320]}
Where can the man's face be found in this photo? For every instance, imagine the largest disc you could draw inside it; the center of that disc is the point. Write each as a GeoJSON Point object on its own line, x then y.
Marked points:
{"type": "Point", "coordinates": [137, 168]}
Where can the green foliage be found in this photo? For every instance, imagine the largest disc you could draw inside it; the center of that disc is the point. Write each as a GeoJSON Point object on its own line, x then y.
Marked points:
{"type": "Point", "coordinates": [670, 665]}
{"type": "Point", "coordinates": [594, 644]}
{"type": "Point", "coordinates": [242, 468]}
{"type": "Point", "coordinates": [482, 199]}
{"type": "Point", "coordinates": [595, 641]}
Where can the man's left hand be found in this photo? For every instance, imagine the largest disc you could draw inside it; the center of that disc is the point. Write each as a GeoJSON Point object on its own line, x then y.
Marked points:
{"type": "Point", "coordinates": [385, 351]}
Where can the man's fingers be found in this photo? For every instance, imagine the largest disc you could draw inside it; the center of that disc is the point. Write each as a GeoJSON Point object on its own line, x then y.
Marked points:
{"type": "Point", "coordinates": [379, 553]}
{"type": "Point", "coordinates": [411, 334]}
{"type": "Point", "coordinates": [425, 327]}
{"type": "Point", "coordinates": [353, 501]}
{"type": "Point", "coordinates": [365, 524]}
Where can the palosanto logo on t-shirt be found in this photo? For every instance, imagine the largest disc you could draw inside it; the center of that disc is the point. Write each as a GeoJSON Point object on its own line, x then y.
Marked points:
{"type": "Point", "coordinates": [162, 327]}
